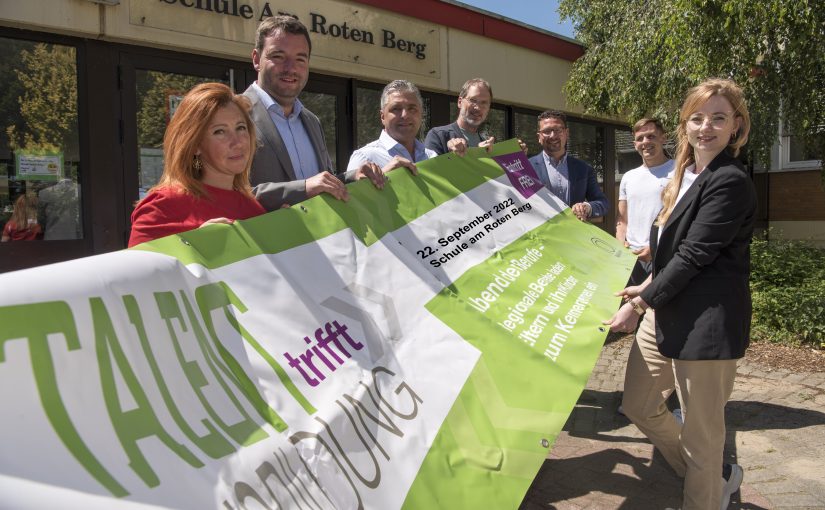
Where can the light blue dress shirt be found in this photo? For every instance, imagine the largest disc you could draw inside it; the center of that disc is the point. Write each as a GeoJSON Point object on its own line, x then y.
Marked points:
{"type": "Point", "coordinates": [293, 133]}
{"type": "Point", "coordinates": [382, 151]}
{"type": "Point", "coordinates": [557, 179]}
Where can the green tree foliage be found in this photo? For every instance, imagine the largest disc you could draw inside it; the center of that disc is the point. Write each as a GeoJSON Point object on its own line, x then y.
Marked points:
{"type": "Point", "coordinates": [641, 57]}
{"type": "Point", "coordinates": [47, 80]}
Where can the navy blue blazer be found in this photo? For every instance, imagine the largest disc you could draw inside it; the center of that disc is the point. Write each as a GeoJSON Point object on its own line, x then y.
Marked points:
{"type": "Point", "coordinates": [583, 184]}
{"type": "Point", "coordinates": [701, 267]}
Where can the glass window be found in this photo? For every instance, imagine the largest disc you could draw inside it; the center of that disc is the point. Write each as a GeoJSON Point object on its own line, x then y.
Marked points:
{"type": "Point", "coordinates": [368, 116]}
{"type": "Point", "coordinates": [368, 121]}
{"type": "Point", "coordinates": [585, 143]}
{"type": "Point", "coordinates": [425, 119]}
{"type": "Point", "coordinates": [526, 125]}
{"type": "Point", "coordinates": [39, 147]}
{"type": "Point", "coordinates": [799, 151]}
{"type": "Point", "coordinates": [158, 96]}
{"type": "Point", "coordinates": [324, 107]}
{"type": "Point", "coordinates": [626, 156]}
{"type": "Point", "coordinates": [496, 124]}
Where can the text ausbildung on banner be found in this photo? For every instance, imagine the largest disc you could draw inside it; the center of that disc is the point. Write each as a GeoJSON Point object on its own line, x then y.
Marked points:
{"type": "Point", "coordinates": [416, 347]}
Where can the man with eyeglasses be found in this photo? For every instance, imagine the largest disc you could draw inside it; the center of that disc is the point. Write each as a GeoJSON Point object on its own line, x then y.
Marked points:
{"type": "Point", "coordinates": [474, 103]}
{"type": "Point", "coordinates": [569, 178]}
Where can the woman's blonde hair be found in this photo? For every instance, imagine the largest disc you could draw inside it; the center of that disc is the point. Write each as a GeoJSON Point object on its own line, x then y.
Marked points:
{"type": "Point", "coordinates": [187, 130]}
{"type": "Point", "coordinates": [696, 97]}
{"type": "Point", "coordinates": [25, 209]}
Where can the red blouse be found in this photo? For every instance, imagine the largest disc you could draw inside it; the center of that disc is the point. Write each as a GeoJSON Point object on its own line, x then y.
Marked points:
{"type": "Point", "coordinates": [29, 233]}
{"type": "Point", "coordinates": [168, 211]}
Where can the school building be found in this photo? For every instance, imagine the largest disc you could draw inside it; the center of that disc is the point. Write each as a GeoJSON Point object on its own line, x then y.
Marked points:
{"type": "Point", "coordinates": [87, 88]}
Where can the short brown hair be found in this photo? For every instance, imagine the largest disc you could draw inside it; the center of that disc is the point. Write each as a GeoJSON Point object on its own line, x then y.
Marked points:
{"type": "Point", "coordinates": [475, 82]}
{"type": "Point", "coordinates": [648, 120]}
{"type": "Point", "coordinates": [286, 24]}
{"type": "Point", "coordinates": [187, 129]}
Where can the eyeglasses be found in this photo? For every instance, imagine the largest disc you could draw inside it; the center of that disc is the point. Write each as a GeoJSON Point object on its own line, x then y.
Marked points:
{"type": "Point", "coordinates": [717, 120]}
{"type": "Point", "coordinates": [477, 103]}
{"type": "Point", "coordinates": [552, 131]}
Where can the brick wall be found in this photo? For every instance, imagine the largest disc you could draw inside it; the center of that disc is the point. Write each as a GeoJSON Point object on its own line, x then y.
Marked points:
{"type": "Point", "coordinates": [796, 196]}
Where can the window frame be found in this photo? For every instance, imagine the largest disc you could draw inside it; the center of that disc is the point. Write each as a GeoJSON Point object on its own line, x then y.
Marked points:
{"type": "Point", "coordinates": [785, 163]}
{"type": "Point", "coordinates": [25, 254]}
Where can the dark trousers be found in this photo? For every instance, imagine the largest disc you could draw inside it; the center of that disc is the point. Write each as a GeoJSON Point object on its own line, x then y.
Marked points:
{"type": "Point", "coordinates": [640, 272]}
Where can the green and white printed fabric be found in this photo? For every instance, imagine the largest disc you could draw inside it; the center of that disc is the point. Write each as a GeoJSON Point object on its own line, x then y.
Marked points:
{"type": "Point", "coordinates": [416, 347]}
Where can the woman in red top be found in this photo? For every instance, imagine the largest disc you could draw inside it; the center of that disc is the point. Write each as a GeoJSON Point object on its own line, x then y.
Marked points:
{"type": "Point", "coordinates": [208, 154]}
{"type": "Point", "coordinates": [22, 226]}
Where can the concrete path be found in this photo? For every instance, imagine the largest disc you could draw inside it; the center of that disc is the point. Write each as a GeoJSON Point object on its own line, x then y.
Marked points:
{"type": "Point", "coordinates": [776, 432]}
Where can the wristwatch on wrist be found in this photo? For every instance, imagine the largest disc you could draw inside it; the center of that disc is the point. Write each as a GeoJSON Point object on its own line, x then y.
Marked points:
{"type": "Point", "coordinates": [637, 307]}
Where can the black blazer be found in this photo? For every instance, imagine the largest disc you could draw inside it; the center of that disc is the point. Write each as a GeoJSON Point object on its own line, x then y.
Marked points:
{"type": "Point", "coordinates": [701, 266]}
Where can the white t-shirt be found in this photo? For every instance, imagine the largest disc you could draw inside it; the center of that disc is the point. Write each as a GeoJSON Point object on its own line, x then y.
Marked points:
{"type": "Point", "coordinates": [687, 181]}
{"type": "Point", "coordinates": [642, 189]}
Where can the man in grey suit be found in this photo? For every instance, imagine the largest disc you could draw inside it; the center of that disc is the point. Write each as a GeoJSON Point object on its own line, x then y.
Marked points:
{"type": "Point", "coordinates": [291, 162]}
{"type": "Point", "coordinates": [570, 179]}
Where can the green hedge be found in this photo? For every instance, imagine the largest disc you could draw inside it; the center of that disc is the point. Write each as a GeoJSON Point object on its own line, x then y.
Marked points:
{"type": "Point", "coordinates": [788, 288]}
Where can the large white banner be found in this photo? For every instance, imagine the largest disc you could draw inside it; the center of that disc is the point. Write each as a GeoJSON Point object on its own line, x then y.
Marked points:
{"type": "Point", "coordinates": [384, 353]}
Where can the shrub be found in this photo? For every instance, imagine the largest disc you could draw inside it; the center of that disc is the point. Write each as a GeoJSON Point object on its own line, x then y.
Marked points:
{"type": "Point", "coordinates": [788, 288]}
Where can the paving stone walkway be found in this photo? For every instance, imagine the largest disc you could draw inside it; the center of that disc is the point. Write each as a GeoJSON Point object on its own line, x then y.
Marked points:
{"type": "Point", "coordinates": [776, 432]}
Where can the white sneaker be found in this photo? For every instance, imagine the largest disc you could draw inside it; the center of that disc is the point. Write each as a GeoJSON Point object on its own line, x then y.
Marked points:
{"type": "Point", "coordinates": [732, 475]}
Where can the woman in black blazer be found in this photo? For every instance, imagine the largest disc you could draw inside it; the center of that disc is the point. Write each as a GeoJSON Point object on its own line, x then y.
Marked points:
{"type": "Point", "coordinates": [698, 294]}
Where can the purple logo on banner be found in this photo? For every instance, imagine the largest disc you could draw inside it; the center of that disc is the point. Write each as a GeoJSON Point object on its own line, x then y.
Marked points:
{"type": "Point", "coordinates": [521, 173]}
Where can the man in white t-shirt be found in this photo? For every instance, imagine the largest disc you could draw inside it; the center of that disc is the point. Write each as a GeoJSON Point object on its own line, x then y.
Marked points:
{"type": "Point", "coordinates": [640, 194]}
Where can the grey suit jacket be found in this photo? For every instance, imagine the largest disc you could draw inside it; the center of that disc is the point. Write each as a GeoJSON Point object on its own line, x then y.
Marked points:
{"type": "Point", "coordinates": [273, 176]}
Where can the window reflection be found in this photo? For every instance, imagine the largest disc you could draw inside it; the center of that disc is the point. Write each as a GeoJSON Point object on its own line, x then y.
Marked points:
{"type": "Point", "coordinates": [158, 96]}
{"type": "Point", "coordinates": [324, 106]}
{"type": "Point", "coordinates": [526, 125]}
{"type": "Point", "coordinates": [39, 149]}
{"type": "Point", "coordinates": [626, 156]}
{"type": "Point", "coordinates": [799, 150]}
{"type": "Point", "coordinates": [585, 143]}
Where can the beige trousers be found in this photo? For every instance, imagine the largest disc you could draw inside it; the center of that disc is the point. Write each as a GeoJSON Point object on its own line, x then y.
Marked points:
{"type": "Point", "coordinates": [695, 449]}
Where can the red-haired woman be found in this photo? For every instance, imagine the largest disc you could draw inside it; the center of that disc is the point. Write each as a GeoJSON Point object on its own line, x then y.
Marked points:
{"type": "Point", "coordinates": [22, 226]}
{"type": "Point", "coordinates": [698, 322]}
{"type": "Point", "coordinates": [208, 148]}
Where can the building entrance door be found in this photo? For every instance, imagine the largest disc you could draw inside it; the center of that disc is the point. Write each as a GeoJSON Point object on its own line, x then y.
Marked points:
{"type": "Point", "coordinates": [151, 89]}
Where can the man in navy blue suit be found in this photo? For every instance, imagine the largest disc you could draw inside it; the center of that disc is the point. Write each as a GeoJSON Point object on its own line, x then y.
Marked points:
{"type": "Point", "coordinates": [569, 178]}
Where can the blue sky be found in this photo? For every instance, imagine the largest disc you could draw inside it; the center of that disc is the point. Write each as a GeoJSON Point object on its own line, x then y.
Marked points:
{"type": "Point", "coordinates": [539, 13]}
